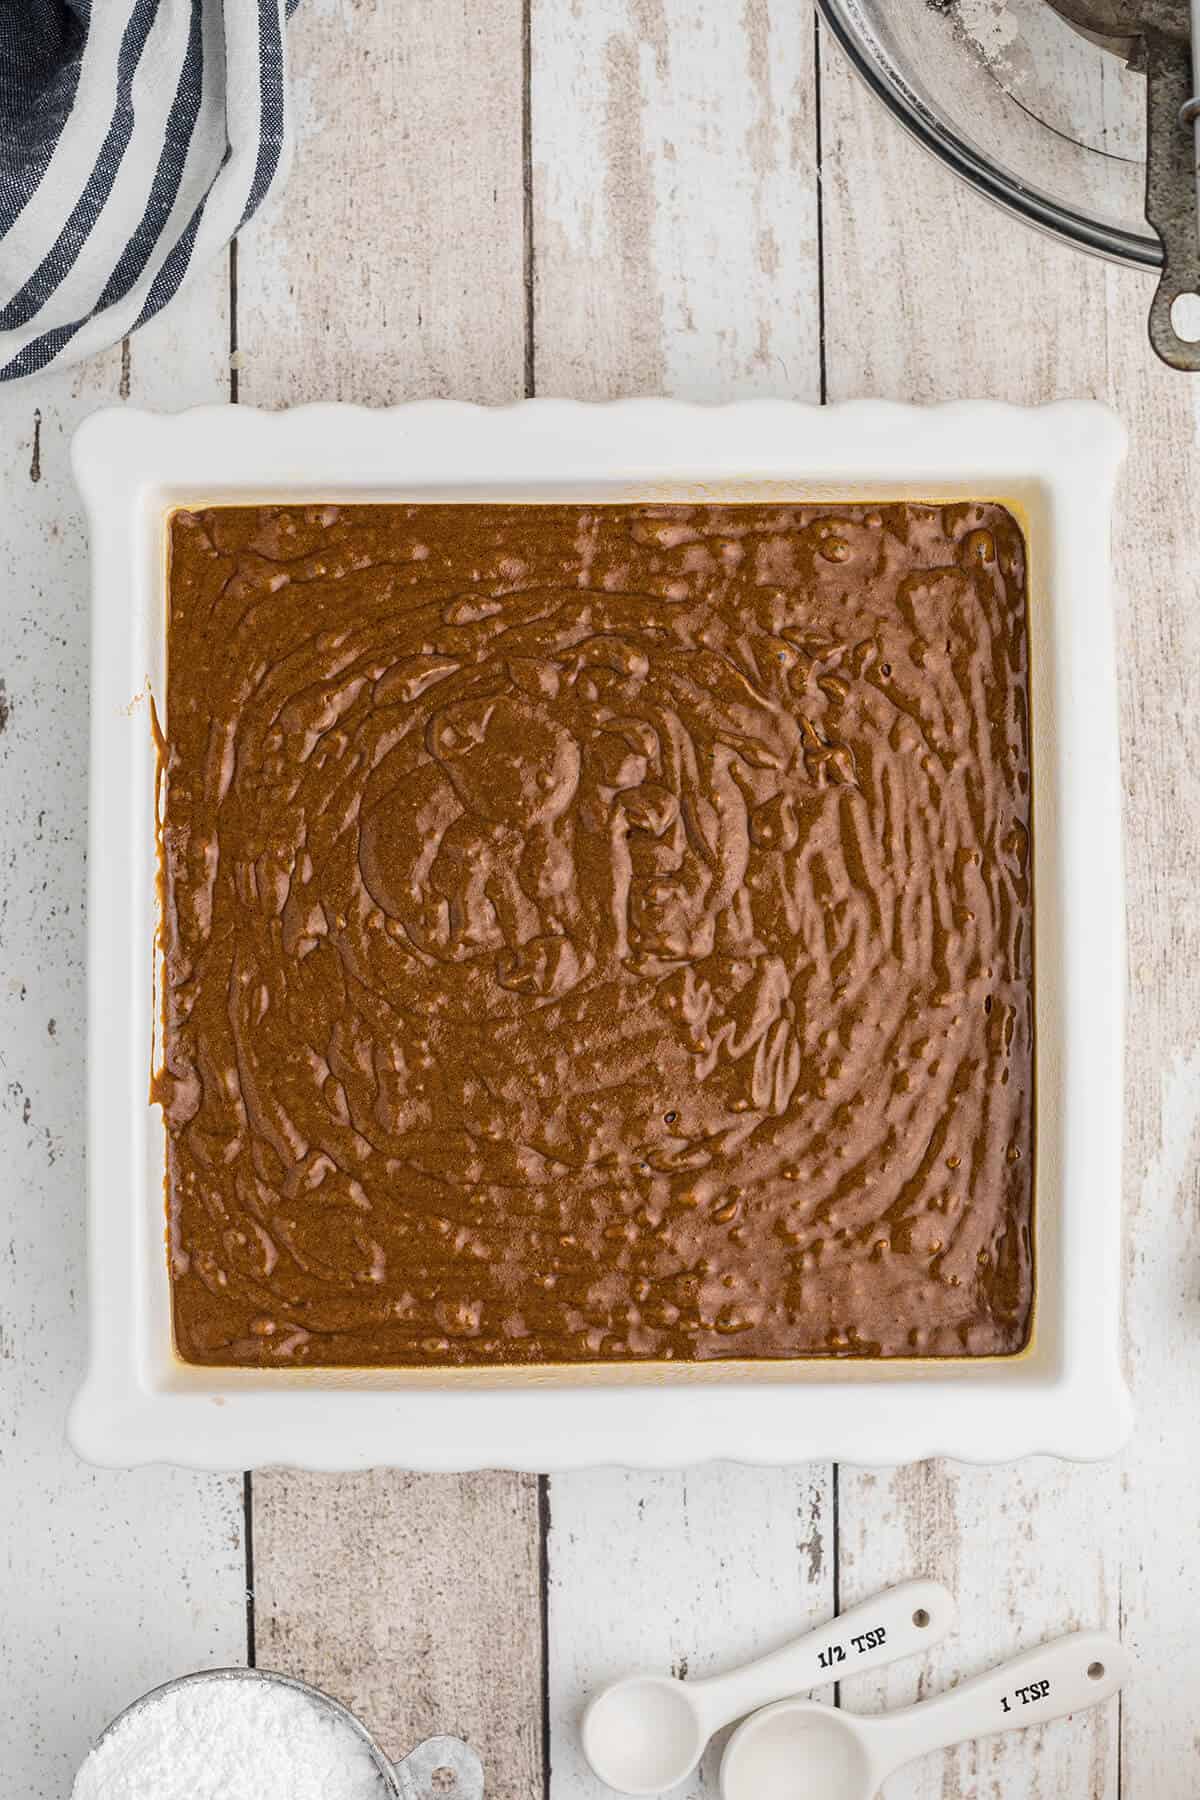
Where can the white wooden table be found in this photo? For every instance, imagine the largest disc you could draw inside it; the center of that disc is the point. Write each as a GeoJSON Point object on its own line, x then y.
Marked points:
{"type": "Point", "coordinates": [598, 197]}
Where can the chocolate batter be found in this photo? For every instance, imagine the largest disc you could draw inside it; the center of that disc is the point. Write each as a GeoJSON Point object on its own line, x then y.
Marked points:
{"type": "Point", "coordinates": [597, 932]}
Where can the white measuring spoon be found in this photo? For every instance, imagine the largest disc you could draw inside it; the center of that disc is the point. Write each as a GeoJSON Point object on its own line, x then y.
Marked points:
{"type": "Point", "coordinates": [648, 1732]}
{"type": "Point", "coordinates": [800, 1750]}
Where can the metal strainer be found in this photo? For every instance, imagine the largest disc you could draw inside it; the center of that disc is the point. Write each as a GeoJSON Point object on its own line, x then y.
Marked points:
{"type": "Point", "coordinates": [1159, 38]}
{"type": "Point", "coordinates": [1077, 116]}
{"type": "Point", "coordinates": [441, 1768]}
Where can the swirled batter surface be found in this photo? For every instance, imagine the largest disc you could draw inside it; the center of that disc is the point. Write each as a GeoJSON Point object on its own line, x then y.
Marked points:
{"type": "Point", "coordinates": [597, 932]}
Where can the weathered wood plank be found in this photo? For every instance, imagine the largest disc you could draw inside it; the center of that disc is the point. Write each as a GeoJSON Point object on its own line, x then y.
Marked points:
{"type": "Point", "coordinates": [393, 268]}
{"type": "Point", "coordinates": [88, 1554]}
{"type": "Point", "coordinates": [1029, 1552]}
{"type": "Point", "coordinates": [1158, 1516]}
{"type": "Point", "coordinates": [675, 204]}
{"type": "Point", "coordinates": [931, 295]}
{"type": "Point", "coordinates": [674, 251]}
{"type": "Point", "coordinates": [413, 1599]}
{"type": "Point", "coordinates": [688, 1573]}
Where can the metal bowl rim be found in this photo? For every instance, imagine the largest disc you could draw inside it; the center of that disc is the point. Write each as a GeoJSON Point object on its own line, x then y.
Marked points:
{"type": "Point", "coordinates": [244, 1673]}
{"type": "Point", "coordinates": [936, 134]}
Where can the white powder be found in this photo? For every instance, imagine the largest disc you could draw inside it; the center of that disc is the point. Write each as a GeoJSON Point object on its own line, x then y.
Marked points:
{"type": "Point", "coordinates": [231, 1739]}
{"type": "Point", "coordinates": [991, 25]}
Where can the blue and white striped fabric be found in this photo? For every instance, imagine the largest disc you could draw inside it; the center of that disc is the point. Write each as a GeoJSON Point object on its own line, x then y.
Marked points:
{"type": "Point", "coordinates": [136, 137]}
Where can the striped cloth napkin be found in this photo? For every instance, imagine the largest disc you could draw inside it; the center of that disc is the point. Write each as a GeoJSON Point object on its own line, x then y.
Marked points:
{"type": "Point", "coordinates": [136, 137]}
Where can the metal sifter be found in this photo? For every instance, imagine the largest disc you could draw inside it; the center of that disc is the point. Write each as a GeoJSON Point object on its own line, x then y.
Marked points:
{"type": "Point", "coordinates": [440, 1768]}
{"type": "Point", "coordinates": [1078, 116]}
{"type": "Point", "coordinates": [1161, 40]}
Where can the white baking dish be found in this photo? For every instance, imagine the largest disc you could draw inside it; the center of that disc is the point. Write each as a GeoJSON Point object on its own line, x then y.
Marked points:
{"type": "Point", "coordinates": [1056, 468]}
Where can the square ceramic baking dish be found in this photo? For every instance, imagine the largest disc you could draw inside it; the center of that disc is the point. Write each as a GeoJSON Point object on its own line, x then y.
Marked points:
{"type": "Point", "coordinates": [1055, 468]}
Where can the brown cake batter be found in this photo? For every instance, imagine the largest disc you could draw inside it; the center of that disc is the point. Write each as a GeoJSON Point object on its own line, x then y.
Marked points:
{"type": "Point", "coordinates": [597, 933]}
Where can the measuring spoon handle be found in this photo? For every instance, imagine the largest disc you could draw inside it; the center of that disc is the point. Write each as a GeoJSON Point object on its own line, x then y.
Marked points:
{"type": "Point", "coordinates": [1058, 1678]}
{"type": "Point", "coordinates": [439, 1765]}
{"type": "Point", "coordinates": [906, 1619]}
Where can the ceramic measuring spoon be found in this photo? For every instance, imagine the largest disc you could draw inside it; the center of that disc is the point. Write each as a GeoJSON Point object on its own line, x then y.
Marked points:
{"type": "Point", "coordinates": [800, 1750]}
{"type": "Point", "coordinates": [647, 1733]}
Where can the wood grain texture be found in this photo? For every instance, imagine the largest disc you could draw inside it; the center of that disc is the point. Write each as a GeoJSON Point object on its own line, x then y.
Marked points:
{"type": "Point", "coordinates": [412, 1599]}
{"type": "Point", "coordinates": [88, 1555]}
{"type": "Point", "coordinates": [392, 264]}
{"type": "Point", "coordinates": [685, 1573]}
{"type": "Point", "coordinates": [675, 208]}
{"type": "Point", "coordinates": [934, 295]}
{"type": "Point", "coordinates": [1029, 1553]}
{"type": "Point", "coordinates": [392, 268]}
{"type": "Point", "coordinates": [1157, 1517]}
